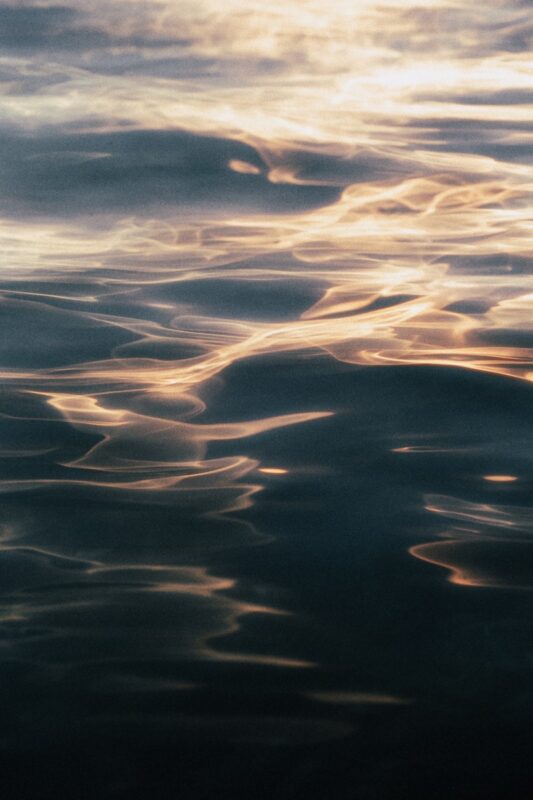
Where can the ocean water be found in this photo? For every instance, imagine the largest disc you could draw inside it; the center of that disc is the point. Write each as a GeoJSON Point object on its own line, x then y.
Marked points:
{"type": "Point", "coordinates": [266, 405]}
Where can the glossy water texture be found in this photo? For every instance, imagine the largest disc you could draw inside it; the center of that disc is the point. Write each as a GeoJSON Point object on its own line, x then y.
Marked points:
{"type": "Point", "coordinates": [265, 458]}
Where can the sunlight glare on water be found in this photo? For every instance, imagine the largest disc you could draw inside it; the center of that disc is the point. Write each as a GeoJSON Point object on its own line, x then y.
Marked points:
{"type": "Point", "coordinates": [266, 358]}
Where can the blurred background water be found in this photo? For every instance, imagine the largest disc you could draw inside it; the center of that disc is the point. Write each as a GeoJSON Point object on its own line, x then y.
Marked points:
{"type": "Point", "coordinates": [265, 454]}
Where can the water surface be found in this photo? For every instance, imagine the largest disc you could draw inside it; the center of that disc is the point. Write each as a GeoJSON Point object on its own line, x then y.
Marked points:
{"type": "Point", "coordinates": [265, 455]}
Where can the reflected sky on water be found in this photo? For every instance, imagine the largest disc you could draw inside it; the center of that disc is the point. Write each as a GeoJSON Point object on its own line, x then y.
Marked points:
{"type": "Point", "coordinates": [266, 361]}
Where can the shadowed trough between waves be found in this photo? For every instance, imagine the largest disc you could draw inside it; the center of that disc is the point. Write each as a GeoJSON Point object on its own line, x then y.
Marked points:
{"type": "Point", "coordinates": [265, 316]}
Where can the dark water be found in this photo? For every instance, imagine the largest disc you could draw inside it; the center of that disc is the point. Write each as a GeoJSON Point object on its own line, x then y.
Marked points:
{"type": "Point", "coordinates": [266, 407]}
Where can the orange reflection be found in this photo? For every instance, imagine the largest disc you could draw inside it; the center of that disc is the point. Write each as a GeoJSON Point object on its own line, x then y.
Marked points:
{"type": "Point", "coordinates": [273, 471]}
{"type": "Point", "coordinates": [416, 258]}
{"type": "Point", "coordinates": [484, 545]}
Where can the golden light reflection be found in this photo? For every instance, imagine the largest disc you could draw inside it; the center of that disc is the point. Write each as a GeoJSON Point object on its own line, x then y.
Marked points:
{"type": "Point", "coordinates": [379, 153]}
{"type": "Point", "coordinates": [483, 545]}
{"type": "Point", "coordinates": [243, 167]}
